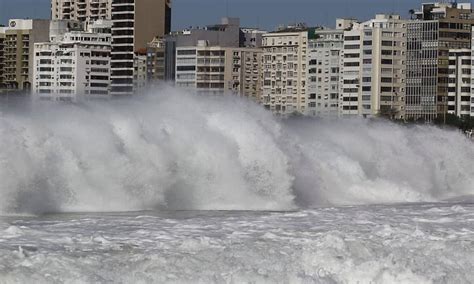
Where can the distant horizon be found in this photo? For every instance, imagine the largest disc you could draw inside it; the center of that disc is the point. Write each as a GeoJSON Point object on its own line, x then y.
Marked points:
{"type": "Point", "coordinates": [252, 13]}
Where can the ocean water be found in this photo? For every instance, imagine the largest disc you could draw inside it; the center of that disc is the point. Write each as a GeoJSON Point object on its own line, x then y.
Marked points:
{"type": "Point", "coordinates": [178, 188]}
{"type": "Point", "coordinates": [417, 243]}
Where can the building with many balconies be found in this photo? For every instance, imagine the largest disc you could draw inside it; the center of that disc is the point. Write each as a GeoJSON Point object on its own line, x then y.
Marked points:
{"type": "Point", "coordinates": [285, 70]}
{"type": "Point", "coordinates": [75, 65]}
{"type": "Point", "coordinates": [81, 10]}
{"type": "Point", "coordinates": [216, 69]}
{"type": "Point", "coordinates": [325, 65]}
{"type": "Point", "coordinates": [374, 70]}
{"type": "Point", "coordinates": [16, 56]}
{"type": "Point", "coordinates": [437, 30]}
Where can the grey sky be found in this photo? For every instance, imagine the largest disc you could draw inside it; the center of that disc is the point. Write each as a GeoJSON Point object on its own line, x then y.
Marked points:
{"type": "Point", "coordinates": [264, 13]}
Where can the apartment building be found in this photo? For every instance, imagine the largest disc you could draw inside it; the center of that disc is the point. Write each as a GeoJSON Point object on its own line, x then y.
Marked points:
{"type": "Point", "coordinates": [81, 10]}
{"type": "Point", "coordinates": [437, 30]}
{"type": "Point", "coordinates": [2, 56]}
{"type": "Point", "coordinates": [472, 74]}
{"type": "Point", "coordinates": [284, 70]}
{"type": "Point", "coordinates": [325, 66]}
{"type": "Point", "coordinates": [135, 24]}
{"type": "Point", "coordinates": [19, 38]}
{"type": "Point", "coordinates": [75, 65]}
{"type": "Point", "coordinates": [374, 68]}
{"type": "Point", "coordinates": [216, 69]}
{"type": "Point", "coordinates": [139, 72]}
{"type": "Point", "coordinates": [459, 82]}
{"type": "Point", "coordinates": [247, 70]}
{"type": "Point", "coordinates": [155, 61]}
{"type": "Point", "coordinates": [225, 34]}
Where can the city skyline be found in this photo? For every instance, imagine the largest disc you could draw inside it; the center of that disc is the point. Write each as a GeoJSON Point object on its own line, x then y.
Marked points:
{"type": "Point", "coordinates": [253, 13]}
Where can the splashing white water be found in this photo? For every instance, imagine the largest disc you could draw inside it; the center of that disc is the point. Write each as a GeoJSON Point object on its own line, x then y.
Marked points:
{"type": "Point", "coordinates": [179, 151]}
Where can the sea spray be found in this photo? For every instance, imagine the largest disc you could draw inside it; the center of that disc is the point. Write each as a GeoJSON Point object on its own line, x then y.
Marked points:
{"type": "Point", "coordinates": [172, 150]}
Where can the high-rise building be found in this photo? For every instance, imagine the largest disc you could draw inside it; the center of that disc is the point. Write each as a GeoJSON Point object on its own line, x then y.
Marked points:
{"type": "Point", "coordinates": [74, 65]}
{"type": "Point", "coordinates": [284, 70]}
{"type": "Point", "coordinates": [216, 69]}
{"type": "Point", "coordinates": [472, 74]}
{"type": "Point", "coordinates": [459, 82]}
{"type": "Point", "coordinates": [225, 34]}
{"type": "Point", "coordinates": [139, 72]}
{"type": "Point", "coordinates": [374, 68]}
{"type": "Point", "coordinates": [155, 61]}
{"type": "Point", "coordinates": [437, 29]}
{"type": "Point", "coordinates": [2, 56]}
{"type": "Point", "coordinates": [81, 10]}
{"type": "Point", "coordinates": [135, 24]}
{"type": "Point", "coordinates": [325, 65]}
{"type": "Point", "coordinates": [247, 72]}
{"type": "Point", "coordinates": [17, 60]}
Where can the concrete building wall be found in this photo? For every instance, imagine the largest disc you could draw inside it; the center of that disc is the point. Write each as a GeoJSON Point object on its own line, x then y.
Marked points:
{"type": "Point", "coordinates": [75, 66]}
{"type": "Point", "coordinates": [20, 37]}
{"type": "Point", "coordinates": [325, 65]}
{"type": "Point", "coordinates": [284, 71]}
{"type": "Point", "coordinates": [135, 24]}
{"type": "Point", "coordinates": [459, 84]}
{"type": "Point", "coordinates": [2, 57]}
{"type": "Point", "coordinates": [216, 69]}
{"type": "Point", "coordinates": [437, 29]}
{"type": "Point", "coordinates": [374, 68]}
{"type": "Point", "coordinates": [81, 10]}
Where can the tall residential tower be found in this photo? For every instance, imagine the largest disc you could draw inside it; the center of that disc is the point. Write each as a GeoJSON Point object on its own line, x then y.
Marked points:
{"type": "Point", "coordinates": [437, 30]}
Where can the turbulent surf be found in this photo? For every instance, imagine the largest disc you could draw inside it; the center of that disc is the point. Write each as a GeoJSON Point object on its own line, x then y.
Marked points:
{"type": "Point", "coordinates": [180, 151]}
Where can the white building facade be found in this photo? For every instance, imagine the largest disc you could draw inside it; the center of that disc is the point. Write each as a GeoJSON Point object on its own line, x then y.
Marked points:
{"type": "Point", "coordinates": [75, 66]}
{"type": "Point", "coordinates": [284, 71]}
{"type": "Point", "coordinates": [459, 82]}
{"type": "Point", "coordinates": [325, 65]}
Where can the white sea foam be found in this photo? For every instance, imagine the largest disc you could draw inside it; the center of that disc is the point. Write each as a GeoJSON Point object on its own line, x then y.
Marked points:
{"type": "Point", "coordinates": [310, 246]}
{"type": "Point", "coordinates": [180, 151]}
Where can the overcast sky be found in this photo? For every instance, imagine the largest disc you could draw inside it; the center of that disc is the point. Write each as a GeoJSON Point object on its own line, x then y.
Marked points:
{"type": "Point", "coordinates": [266, 14]}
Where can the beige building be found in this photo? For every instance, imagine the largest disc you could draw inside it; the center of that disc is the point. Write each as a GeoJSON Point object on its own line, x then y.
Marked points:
{"type": "Point", "coordinates": [81, 10]}
{"type": "Point", "coordinates": [284, 71]}
{"type": "Point", "coordinates": [18, 51]}
{"type": "Point", "coordinates": [215, 69]}
{"type": "Point", "coordinates": [243, 72]}
{"type": "Point", "coordinates": [374, 70]}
